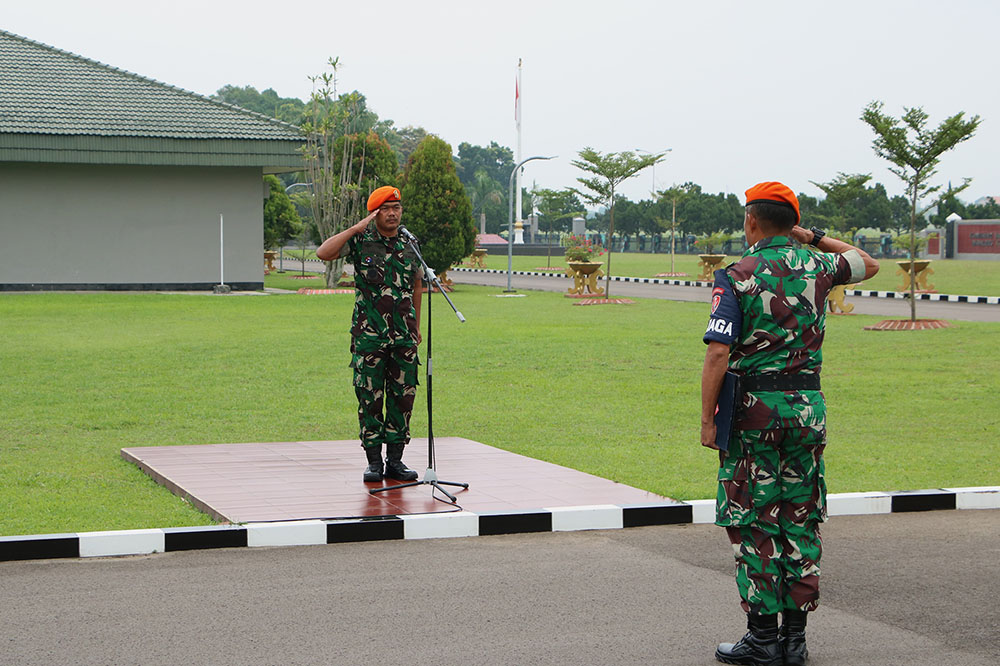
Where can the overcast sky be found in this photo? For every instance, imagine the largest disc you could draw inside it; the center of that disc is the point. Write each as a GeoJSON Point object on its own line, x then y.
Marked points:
{"type": "Point", "coordinates": [740, 91]}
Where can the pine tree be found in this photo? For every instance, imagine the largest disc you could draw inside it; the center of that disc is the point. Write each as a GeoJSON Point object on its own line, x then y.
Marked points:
{"type": "Point", "coordinates": [435, 207]}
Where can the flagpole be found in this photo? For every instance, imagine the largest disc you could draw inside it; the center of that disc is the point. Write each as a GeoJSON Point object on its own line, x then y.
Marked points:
{"type": "Point", "coordinates": [519, 92]}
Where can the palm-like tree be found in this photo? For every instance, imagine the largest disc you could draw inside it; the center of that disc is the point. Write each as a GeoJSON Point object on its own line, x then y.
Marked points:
{"type": "Point", "coordinates": [484, 189]}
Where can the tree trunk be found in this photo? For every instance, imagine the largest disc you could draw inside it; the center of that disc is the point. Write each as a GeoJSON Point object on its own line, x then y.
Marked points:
{"type": "Point", "coordinates": [332, 272]}
{"type": "Point", "coordinates": [673, 232]}
{"type": "Point", "coordinates": [913, 243]}
{"type": "Point", "coordinates": [611, 246]}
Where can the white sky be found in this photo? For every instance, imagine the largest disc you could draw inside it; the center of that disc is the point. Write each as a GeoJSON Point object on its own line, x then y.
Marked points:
{"type": "Point", "coordinates": [741, 91]}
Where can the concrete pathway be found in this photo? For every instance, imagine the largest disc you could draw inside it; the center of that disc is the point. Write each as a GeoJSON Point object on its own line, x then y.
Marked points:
{"type": "Point", "coordinates": [862, 304]}
{"type": "Point", "coordinates": [914, 588]}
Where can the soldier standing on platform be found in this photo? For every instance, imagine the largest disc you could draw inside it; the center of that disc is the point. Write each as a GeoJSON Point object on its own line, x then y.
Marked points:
{"type": "Point", "coordinates": [385, 330]}
{"type": "Point", "coordinates": [767, 326]}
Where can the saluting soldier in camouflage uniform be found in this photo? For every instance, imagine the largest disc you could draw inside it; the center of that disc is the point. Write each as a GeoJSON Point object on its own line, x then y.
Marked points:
{"type": "Point", "coordinates": [767, 325]}
{"type": "Point", "coordinates": [385, 330]}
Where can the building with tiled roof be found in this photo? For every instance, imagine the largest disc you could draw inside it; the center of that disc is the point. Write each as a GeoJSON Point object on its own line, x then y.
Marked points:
{"type": "Point", "coordinates": [112, 180]}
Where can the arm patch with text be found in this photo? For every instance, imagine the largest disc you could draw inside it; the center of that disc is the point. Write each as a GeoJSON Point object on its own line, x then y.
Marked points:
{"type": "Point", "coordinates": [726, 319]}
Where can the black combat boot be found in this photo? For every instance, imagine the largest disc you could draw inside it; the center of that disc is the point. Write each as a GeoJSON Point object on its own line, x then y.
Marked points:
{"type": "Point", "coordinates": [793, 637]}
{"type": "Point", "coordinates": [760, 647]}
{"type": "Point", "coordinates": [394, 467]}
{"type": "Point", "coordinates": [374, 470]}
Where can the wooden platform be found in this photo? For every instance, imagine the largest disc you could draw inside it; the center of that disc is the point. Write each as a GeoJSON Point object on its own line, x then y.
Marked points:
{"type": "Point", "coordinates": [277, 481]}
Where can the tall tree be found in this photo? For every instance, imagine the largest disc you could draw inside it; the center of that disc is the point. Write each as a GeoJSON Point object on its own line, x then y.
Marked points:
{"type": "Point", "coordinates": [556, 208]}
{"type": "Point", "coordinates": [404, 141]}
{"type": "Point", "coordinates": [370, 160]}
{"type": "Point", "coordinates": [843, 191]}
{"type": "Point", "coordinates": [651, 221]}
{"type": "Point", "coordinates": [705, 213]}
{"type": "Point", "coordinates": [986, 210]}
{"type": "Point", "coordinates": [483, 191]}
{"type": "Point", "coordinates": [436, 207]}
{"type": "Point", "coordinates": [337, 198]}
{"type": "Point", "coordinates": [948, 203]}
{"type": "Point", "coordinates": [281, 221]}
{"type": "Point", "coordinates": [608, 173]}
{"type": "Point", "coordinates": [674, 195]}
{"type": "Point", "coordinates": [874, 209]}
{"type": "Point", "coordinates": [268, 103]}
{"type": "Point", "coordinates": [915, 151]}
{"type": "Point", "coordinates": [497, 162]}
{"type": "Point", "coordinates": [628, 217]}
{"type": "Point", "coordinates": [899, 216]}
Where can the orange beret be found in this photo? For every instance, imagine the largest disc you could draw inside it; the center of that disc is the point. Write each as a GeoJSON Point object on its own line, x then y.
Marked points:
{"type": "Point", "coordinates": [381, 195]}
{"type": "Point", "coordinates": [776, 193]}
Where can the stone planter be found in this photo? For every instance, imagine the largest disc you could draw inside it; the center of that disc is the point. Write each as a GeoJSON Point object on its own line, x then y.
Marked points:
{"type": "Point", "coordinates": [584, 274]}
{"type": "Point", "coordinates": [708, 264]}
{"type": "Point", "coordinates": [837, 300]}
{"type": "Point", "coordinates": [921, 268]}
{"type": "Point", "coordinates": [478, 258]}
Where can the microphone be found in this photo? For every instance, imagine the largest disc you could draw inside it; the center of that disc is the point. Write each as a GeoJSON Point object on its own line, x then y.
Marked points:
{"type": "Point", "coordinates": [407, 235]}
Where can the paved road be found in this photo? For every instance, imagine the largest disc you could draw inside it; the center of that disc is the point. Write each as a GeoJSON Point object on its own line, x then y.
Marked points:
{"type": "Point", "coordinates": [862, 305]}
{"type": "Point", "coordinates": [915, 589]}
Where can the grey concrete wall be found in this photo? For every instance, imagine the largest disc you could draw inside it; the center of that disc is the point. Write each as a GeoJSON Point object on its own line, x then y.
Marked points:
{"type": "Point", "coordinates": [117, 225]}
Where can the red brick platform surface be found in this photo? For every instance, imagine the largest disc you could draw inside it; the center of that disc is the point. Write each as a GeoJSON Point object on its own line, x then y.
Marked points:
{"type": "Point", "coordinates": [306, 290]}
{"type": "Point", "coordinates": [605, 301]}
{"type": "Point", "coordinates": [301, 480]}
{"type": "Point", "coordinates": [907, 325]}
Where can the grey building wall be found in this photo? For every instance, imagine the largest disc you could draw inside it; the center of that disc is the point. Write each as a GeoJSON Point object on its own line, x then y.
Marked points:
{"type": "Point", "coordinates": [121, 227]}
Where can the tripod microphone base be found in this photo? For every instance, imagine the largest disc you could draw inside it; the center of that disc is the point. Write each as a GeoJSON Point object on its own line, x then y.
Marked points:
{"type": "Point", "coordinates": [430, 479]}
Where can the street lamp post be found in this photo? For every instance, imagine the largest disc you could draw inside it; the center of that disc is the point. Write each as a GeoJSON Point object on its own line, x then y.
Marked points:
{"type": "Point", "coordinates": [510, 219]}
{"type": "Point", "coordinates": [640, 150]}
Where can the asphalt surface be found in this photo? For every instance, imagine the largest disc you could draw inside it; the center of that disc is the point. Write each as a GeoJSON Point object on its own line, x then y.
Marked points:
{"type": "Point", "coordinates": [916, 589]}
{"type": "Point", "coordinates": [888, 307]}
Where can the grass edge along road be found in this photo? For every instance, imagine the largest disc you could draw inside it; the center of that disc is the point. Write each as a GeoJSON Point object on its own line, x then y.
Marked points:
{"type": "Point", "coordinates": [609, 390]}
{"type": "Point", "coordinates": [951, 276]}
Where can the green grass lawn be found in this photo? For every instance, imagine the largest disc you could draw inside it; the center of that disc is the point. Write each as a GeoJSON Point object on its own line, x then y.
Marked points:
{"type": "Point", "coordinates": [292, 280]}
{"type": "Point", "coordinates": [610, 390]}
{"type": "Point", "coordinates": [951, 276]}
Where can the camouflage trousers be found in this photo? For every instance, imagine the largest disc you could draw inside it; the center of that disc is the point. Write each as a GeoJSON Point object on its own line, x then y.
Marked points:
{"type": "Point", "coordinates": [772, 499]}
{"type": "Point", "coordinates": [385, 377]}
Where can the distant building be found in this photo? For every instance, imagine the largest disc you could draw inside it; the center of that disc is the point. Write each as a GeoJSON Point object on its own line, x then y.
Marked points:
{"type": "Point", "coordinates": [967, 239]}
{"type": "Point", "coordinates": [109, 180]}
{"type": "Point", "coordinates": [984, 200]}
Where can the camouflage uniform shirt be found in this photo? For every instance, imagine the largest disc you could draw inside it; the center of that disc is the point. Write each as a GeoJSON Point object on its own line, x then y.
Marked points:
{"type": "Point", "coordinates": [770, 308]}
{"type": "Point", "coordinates": [385, 270]}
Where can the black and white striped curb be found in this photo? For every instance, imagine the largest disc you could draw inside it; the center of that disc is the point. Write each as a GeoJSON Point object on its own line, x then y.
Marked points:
{"type": "Point", "coordinates": [453, 524]}
{"type": "Point", "coordinates": [949, 298]}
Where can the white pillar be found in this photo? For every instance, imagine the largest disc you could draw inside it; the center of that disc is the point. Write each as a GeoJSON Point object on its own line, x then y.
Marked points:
{"type": "Point", "coordinates": [517, 157]}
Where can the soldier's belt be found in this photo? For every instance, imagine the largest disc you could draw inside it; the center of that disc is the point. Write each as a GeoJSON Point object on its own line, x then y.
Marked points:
{"type": "Point", "coordinates": [775, 382]}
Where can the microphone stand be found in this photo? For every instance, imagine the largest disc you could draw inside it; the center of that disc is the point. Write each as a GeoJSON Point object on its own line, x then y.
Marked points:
{"type": "Point", "coordinates": [430, 475]}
